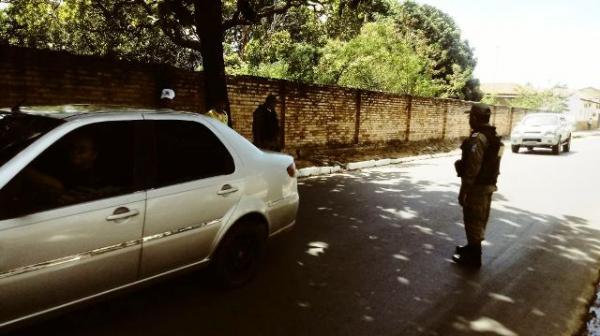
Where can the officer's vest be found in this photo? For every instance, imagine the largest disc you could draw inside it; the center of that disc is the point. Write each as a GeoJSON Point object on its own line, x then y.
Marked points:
{"type": "Point", "coordinates": [490, 166]}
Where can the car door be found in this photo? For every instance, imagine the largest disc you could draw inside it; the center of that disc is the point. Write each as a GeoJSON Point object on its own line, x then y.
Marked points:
{"type": "Point", "coordinates": [71, 220]}
{"type": "Point", "coordinates": [195, 185]}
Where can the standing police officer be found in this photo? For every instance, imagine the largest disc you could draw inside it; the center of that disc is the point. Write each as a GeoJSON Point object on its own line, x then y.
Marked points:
{"type": "Point", "coordinates": [478, 168]}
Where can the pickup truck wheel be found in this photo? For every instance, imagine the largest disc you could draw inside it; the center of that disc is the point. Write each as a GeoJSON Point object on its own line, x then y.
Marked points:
{"type": "Point", "coordinates": [515, 148]}
{"type": "Point", "coordinates": [239, 254]}
{"type": "Point", "coordinates": [567, 145]}
{"type": "Point", "coordinates": [556, 148]}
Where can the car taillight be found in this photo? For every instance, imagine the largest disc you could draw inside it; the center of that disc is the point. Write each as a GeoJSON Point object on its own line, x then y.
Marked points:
{"type": "Point", "coordinates": [291, 170]}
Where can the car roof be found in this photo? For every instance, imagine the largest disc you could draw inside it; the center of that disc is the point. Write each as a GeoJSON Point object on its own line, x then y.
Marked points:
{"type": "Point", "coordinates": [77, 111]}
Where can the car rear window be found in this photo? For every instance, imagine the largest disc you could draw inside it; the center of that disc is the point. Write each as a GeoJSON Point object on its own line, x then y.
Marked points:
{"type": "Point", "coordinates": [18, 130]}
{"type": "Point", "coordinates": [187, 151]}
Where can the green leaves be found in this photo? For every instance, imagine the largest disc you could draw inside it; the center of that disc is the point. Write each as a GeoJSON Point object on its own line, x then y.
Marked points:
{"type": "Point", "coordinates": [92, 27]}
{"type": "Point", "coordinates": [371, 44]}
{"type": "Point", "coordinates": [437, 38]}
{"type": "Point", "coordinates": [377, 59]}
{"type": "Point", "coordinates": [553, 100]}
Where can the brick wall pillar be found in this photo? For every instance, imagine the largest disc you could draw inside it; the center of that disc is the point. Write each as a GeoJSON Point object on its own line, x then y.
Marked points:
{"type": "Point", "coordinates": [282, 95]}
{"type": "Point", "coordinates": [445, 121]}
{"type": "Point", "coordinates": [408, 116]}
{"type": "Point", "coordinates": [357, 125]}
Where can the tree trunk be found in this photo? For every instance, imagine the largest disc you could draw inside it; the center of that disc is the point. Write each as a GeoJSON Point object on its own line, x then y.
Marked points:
{"type": "Point", "coordinates": [211, 39]}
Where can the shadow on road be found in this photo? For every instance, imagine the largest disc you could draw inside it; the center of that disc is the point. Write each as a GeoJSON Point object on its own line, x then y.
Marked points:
{"type": "Point", "coordinates": [370, 256]}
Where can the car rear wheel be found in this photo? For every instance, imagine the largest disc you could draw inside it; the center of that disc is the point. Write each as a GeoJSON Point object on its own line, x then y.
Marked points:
{"type": "Point", "coordinates": [556, 148]}
{"type": "Point", "coordinates": [515, 148]}
{"type": "Point", "coordinates": [567, 145]}
{"type": "Point", "coordinates": [238, 257]}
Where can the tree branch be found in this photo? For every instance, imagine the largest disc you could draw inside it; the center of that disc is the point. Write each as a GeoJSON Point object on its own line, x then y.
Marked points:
{"type": "Point", "coordinates": [237, 19]}
{"type": "Point", "coordinates": [169, 27]}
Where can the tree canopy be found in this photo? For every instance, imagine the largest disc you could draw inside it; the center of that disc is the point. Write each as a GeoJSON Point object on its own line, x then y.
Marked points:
{"type": "Point", "coordinates": [371, 44]}
{"type": "Point", "coordinates": [273, 48]}
{"type": "Point", "coordinates": [86, 27]}
{"type": "Point", "coordinates": [438, 39]}
{"type": "Point", "coordinates": [377, 59]}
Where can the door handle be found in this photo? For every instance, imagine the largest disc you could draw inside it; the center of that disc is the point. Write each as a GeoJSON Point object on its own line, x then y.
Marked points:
{"type": "Point", "coordinates": [227, 189]}
{"type": "Point", "coordinates": [121, 213]}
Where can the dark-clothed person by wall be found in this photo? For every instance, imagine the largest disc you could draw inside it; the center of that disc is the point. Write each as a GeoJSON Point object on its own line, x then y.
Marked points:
{"type": "Point", "coordinates": [265, 125]}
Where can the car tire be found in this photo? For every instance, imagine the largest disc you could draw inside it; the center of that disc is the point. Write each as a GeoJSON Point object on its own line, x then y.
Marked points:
{"type": "Point", "coordinates": [567, 145]}
{"type": "Point", "coordinates": [556, 148]}
{"type": "Point", "coordinates": [238, 257]}
{"type": "Point", "coordinates": [515, 148]}
{"type": "Point", "coordinates": [530, 148]}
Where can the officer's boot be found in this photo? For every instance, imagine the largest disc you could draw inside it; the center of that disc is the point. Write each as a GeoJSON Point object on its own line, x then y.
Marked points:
{"type": "Point", "coordinates": [459, 248]}
{"type": "Point", "coordinates": [469, 255]}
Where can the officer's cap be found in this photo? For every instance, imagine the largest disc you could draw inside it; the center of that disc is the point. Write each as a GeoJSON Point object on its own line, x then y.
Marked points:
{"type": "Point", "coordinates": [480, 109]}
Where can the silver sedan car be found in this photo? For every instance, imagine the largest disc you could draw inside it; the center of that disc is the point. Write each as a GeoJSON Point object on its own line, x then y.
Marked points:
{"type": "Point", "coordinates": [545, 130]}
{"type": "Point", "coordinates": [92, 203]}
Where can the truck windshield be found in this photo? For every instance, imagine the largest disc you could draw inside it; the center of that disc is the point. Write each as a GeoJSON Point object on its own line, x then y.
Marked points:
{"type": "Point", "coordinates": [19, 130]}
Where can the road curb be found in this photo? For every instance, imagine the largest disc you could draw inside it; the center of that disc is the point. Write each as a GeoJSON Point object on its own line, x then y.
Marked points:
{"type": "Point", "coordinates": [585, 134]}
{"type": "Point", "coordinates": [326, 170]}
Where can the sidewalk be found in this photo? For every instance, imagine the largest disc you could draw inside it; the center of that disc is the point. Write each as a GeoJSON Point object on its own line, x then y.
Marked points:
{"type": "Point", "coordinates": [359, 158]}
{"type": "Point", "coordinates": [374, 160]}
{"type": "Point", "coordinates": [584, 134]}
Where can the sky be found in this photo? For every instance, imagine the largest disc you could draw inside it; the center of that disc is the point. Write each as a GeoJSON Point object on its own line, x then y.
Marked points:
{"type": "Point", "coordinates": [538, 42]}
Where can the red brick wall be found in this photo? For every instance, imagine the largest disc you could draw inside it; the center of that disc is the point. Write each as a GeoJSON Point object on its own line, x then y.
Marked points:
{"type": "Point", "coordinates": [319, 115]}
{"type": "Point", "coordinates": [245, 94]}
{"type": "Point", "coordinates": [457, 121]}
{"type": "Point", "coordinates": [427, 118]}
{"type": "Point", "coordinates": [313, 115]}
{"type": "Point", "coordinates": [501, 119]}
{"type": "Point", "coordinates": [383, 117]}
{"type": "Point", "coordinates": [40, 77]}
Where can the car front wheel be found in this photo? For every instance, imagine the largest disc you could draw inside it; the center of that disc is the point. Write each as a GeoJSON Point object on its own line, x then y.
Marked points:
{"type": "Point", "coordinates": [238, 257]}
{"type": "Point", "coordinates": [515, 148]}
{"type": "Point", "coordinates": [567, 145]}
{"type": "Point", "coordinates": [556, 148]}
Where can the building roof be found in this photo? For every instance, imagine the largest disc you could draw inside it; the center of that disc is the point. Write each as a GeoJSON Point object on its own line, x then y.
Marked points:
{"type": "Point", "coordinates": [501, 89]}
{"type": "Point", "coordinates": [589, 93]}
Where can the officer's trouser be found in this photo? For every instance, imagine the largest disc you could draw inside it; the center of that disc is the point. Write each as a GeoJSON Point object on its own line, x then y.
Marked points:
{"type": "Point", "coordinates": [476, 212]}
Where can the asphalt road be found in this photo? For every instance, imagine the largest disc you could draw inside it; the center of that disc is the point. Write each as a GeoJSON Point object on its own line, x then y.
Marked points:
{"type": "Point", "coordinates": [370, 256]}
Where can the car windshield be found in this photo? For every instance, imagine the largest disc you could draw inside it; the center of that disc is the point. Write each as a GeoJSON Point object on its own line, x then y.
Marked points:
{"type": "Point", "coordinates": [544, 120]}
{"type": "Point", "coordinates": [18, 130]}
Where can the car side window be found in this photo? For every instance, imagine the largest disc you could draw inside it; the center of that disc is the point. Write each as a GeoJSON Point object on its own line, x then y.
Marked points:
{"type": "Point", "coordinates": [188, 151]}
{"type": "Point", "coordinates": [90, 163]}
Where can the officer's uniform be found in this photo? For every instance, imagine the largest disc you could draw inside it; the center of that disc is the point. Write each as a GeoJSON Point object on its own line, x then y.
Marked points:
{"type": "Point", "coordinates": [476, 207]}
{"type": "Point", "coordinates": [478, 168]}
